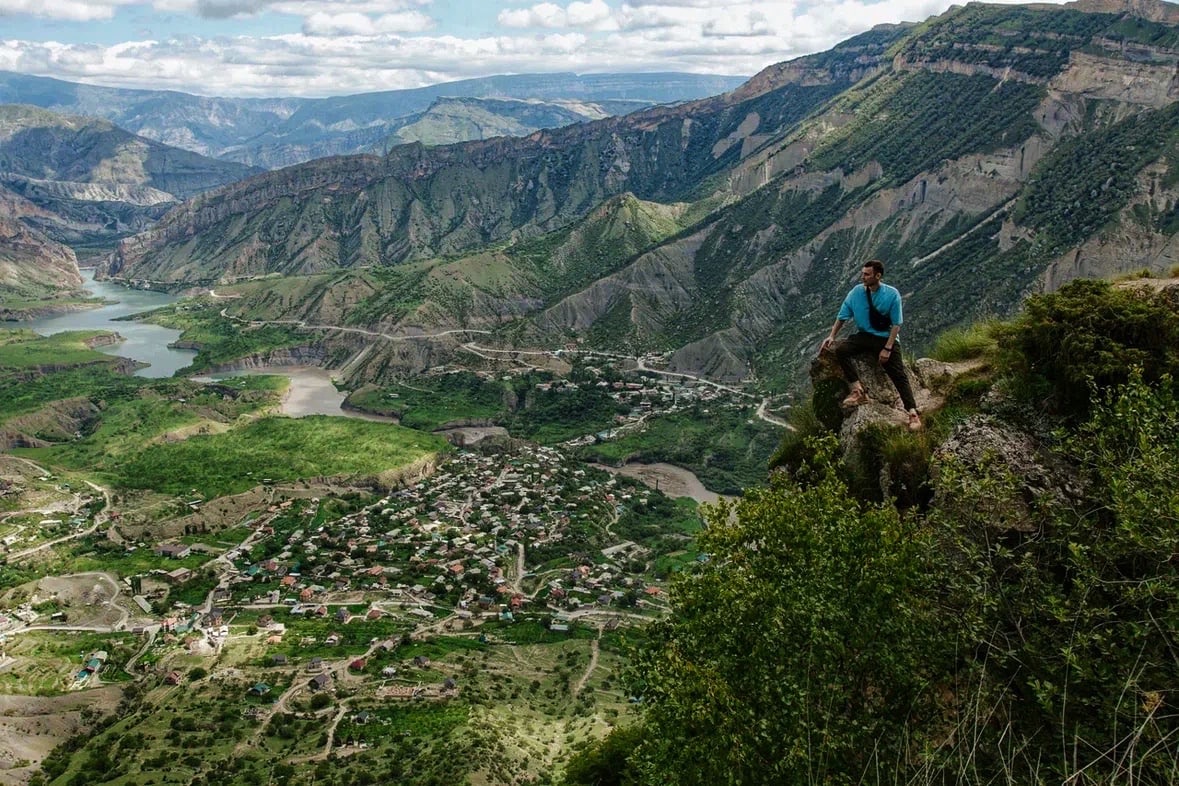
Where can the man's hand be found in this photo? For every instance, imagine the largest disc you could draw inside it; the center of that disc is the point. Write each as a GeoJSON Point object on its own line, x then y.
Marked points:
{"type": "Point", "coordinates": [826, 345]}
{"type": "Point", "coordinates": [885, 354]}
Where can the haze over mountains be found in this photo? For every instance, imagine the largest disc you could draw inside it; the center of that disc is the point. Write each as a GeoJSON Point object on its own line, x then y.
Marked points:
{"type": "Point", "coordinates": [283, 131]}
{"type": "Point", "coordinates": [986, 153]}
{"type": "Point", "coordinates": [92, 181]}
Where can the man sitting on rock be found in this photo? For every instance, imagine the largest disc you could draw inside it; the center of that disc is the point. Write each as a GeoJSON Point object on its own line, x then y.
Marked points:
{"type": "Point", "coordinates": [876, 308]}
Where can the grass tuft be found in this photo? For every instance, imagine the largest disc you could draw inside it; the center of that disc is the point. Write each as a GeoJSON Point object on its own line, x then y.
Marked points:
{"type": "Point", "coordinates": [968, 343]}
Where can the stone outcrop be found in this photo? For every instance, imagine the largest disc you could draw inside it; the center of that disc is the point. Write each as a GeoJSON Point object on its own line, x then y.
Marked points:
{"type": "Point", "coordinates": [1023, 477]}
{"type": "Point", "coordinates": [55, 422]}
{"type": "Point", "coordinates": [884, 405]}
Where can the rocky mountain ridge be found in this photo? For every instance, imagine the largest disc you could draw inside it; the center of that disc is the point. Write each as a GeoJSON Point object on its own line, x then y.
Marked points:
{"type": "Point", "coordinates": [70, 183]}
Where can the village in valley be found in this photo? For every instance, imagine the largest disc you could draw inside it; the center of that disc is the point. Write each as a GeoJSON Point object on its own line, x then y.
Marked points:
{"type": "Point", "coordinates": [479, 591]}
{"type": "Point", "coordinates": [331, 603]}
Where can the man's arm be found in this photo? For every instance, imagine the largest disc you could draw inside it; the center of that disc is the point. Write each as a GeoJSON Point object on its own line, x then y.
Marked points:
{"type": "Point", "coordinates": [889, 344]}
{"type": "Point", "coordinates": [827, 342]}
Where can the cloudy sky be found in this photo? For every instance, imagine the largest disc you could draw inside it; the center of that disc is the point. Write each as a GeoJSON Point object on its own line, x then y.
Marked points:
{"type": "Point", "coordinates": [332, 47]}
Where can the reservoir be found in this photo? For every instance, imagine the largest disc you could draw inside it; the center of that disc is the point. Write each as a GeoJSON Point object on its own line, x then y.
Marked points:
{"type": "Point", "coordinates": [144, 343]}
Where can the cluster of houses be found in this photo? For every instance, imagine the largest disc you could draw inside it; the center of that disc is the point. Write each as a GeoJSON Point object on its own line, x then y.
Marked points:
{"type": "Point", "coordinates": [452, 543]}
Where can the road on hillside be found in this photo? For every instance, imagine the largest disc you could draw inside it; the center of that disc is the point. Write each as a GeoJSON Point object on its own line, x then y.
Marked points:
{"type": "Point", "coordinates": [100, 518]}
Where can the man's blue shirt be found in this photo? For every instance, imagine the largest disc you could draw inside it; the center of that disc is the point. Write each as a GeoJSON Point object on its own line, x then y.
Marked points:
{"type": "Point", "coordinates": [886, 299]}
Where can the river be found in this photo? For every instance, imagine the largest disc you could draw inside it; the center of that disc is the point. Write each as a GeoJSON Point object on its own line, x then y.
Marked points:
{"type": "Point", "coordinates": [142, 342]}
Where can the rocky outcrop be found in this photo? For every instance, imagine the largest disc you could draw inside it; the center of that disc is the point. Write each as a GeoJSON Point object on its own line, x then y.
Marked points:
{"type": "Point", "coordinates": [287, 357]}
{"type": "Point", "coordinates": [884, 406]}
{"type": "Point", "coordinates": [55, 422]}
{"type": "Point", "coordinates": [32, 266]}
{"type": "Point", "coordinates": [1154, 83]}
{"type": "Point", "coordinates": [1023, 477]}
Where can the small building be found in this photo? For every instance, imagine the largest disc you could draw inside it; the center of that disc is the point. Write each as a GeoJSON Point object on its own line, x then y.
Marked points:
{"type": "Point", "coordinates": [358, 664]}
{"type": "Point", "coordinates": [261, 688]}
{"type": "Point", "coordinates": [172, 550]}
{"type": "Point", "coordinates": [179, 576]}
{"type": "Point", "coordinates": [278, 660]}
{"type": "Point", "coordinates": [319, 682]}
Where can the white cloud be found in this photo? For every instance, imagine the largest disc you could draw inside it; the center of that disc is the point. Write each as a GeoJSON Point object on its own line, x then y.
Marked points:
{"type": "Point", "coordinates": [352, 23]}
{"type": "Point", "coordinates": [541, 15]}
{"type": "Point", "coordinates": [68, 10]}
{"type": "Point", "coordinates": [590, 15]}
{"type": "Point", "coordinates": [367, 45]}
{"type": "Point", "coordinates": [585, 14]}
{"type": "Point", "coordinates": [749, 23]}
{"type": "Point", "coordinates": [227, 9]}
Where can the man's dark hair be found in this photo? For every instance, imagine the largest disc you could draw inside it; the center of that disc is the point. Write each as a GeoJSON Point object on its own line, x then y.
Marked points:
{"type": "Point", "coordinates": [876, 265]}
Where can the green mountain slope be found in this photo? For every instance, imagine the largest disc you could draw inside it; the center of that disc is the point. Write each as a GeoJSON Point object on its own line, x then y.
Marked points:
{"type": "Point", "coordinates": [418, 202]}
{"type": "Point", "coordinates": [984, 154]}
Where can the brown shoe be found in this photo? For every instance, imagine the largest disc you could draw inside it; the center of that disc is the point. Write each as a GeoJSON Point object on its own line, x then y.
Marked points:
{"type": "Point", "coordinates": [915, 422]}
{"type": "Point", "coordinates": [855, 398]}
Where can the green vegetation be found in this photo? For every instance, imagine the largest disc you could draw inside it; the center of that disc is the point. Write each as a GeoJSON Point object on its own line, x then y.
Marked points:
{"type": "Point", "coordinates": [1087, 179]}
{"type": "Point", "coordinates": [1030, 636]}
{"type": "Point", "coordinates": [34, 301]}
{"type": "Point", "coordinates": [524, 404]}
{"type": "Point", "coordinates": [219, 340]}
{"type": "Point", "coordinates": [1032, 41]}
{"type": "Point", "coordinates": [958, 115]}
{"type": "Point", "coordinates": [24, 349]}
{"type": "Point", "coordinates": [1089, 336]}
{"type": "Point", "coordinates": [428, 721]}
{"type": "Point", "coordinates": [965, 343]}
{"type": "Point", "coordinates": [823, 626]}
{"type": "Point", "coordinates": [136, 413]}
{"type": "Point", "coordinates": [398, 290]}
{"type": "Point", "coordinates": [277, 448]}
{"type": "Point", "coordinates": [427, 403]}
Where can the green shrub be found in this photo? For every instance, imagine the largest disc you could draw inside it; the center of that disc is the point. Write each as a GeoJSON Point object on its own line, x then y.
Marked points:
{"type": "Point", "coordinates": [1089, 336]}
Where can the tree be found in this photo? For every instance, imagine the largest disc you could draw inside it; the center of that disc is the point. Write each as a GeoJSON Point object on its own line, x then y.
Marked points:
{"type": "Point", "coordinates": [802, 651]}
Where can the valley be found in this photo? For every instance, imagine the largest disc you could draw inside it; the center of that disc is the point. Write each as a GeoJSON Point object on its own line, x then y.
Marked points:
{"type": "Point", "coordinates": [438, 437]}
{"type": "Point", "coordinates": [219, 547]}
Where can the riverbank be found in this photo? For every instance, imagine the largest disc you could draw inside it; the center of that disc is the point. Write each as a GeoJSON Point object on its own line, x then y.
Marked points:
{"type": "Point", "coordinates": [668, 478]}
{"type": "Point", "coordinates": [310, 392]}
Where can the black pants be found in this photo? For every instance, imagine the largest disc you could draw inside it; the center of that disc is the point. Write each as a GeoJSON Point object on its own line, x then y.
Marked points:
{"type": "Point", "coordinates": [869, 343]}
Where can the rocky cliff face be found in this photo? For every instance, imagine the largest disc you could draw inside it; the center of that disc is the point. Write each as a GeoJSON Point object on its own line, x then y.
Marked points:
{"type": "Point", "coordinates": [32, 267]}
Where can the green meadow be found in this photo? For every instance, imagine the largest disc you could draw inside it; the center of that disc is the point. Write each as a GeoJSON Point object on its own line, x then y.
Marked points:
{"type": "Point", "coordinates": [24, 349]}
{"type": "Point", "coordinates": [276, 448]}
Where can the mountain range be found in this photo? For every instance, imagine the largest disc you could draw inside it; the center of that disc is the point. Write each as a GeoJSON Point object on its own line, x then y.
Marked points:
{"type": "Point", "coordinates": [93, 182]}
{"type": "Point", "coordinates": [283, 131]}
{"type": "Point", "coordinates": [984, 154]}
